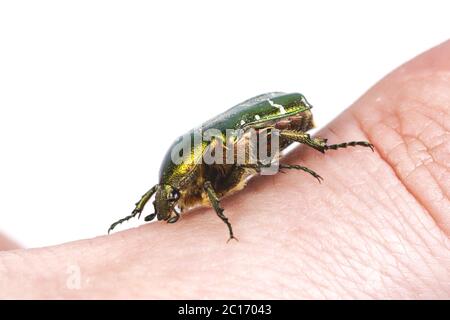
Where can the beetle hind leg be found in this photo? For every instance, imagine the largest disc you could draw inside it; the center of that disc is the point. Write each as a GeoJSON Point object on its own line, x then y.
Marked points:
{"type": "Point", "coordinates": [351, 144]}
{"type": "Point", "coordinates": [259, 166]}
{"type": "Point", "coordinates": [215, 202]}
{"type": "Point", "coordinates": [138, 210]}
{"type": "Point", "coordinates": [320, 144]}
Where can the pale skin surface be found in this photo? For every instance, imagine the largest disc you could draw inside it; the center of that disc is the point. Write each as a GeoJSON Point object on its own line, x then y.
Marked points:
{"type": "Point", "coordinates": [377, 227]}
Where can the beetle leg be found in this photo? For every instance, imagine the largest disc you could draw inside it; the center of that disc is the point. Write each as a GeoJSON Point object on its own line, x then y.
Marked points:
{"type": "Point", "coordinates": [174, 218]}
{"type": "Point", "coordinates": [351, 144]}
{"type": "Point", "coordinates": [215, 202]}
{"type": "Point", "coordinates": [298, 167]}
{"type": "Point", "coordinates": [258, 167]}
{"type": "Point", "coordinates": [319, 144]}
{"type": "Point", "coordinates": [138, 210]}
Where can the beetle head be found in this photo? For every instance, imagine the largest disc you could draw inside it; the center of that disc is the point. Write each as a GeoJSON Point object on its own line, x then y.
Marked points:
{"type": "Point", "coordinates": [165, 200]}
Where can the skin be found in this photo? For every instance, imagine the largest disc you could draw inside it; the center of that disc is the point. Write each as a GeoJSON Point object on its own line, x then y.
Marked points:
{"type": "Point", "coordinates": [377, 227]}
{"type": "Point", "coordinates": [7, 244]}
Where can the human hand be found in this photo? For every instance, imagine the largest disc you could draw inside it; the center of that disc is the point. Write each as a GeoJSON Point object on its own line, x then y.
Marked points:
{"type": "Point", "coordinates": [377, 227]}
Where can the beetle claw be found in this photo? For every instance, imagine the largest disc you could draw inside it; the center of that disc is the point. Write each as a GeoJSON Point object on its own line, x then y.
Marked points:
{"type": "Point", "coordinates": [232, 237]}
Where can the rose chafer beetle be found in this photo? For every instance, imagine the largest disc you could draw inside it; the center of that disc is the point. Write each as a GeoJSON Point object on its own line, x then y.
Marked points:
{"type": "Point", "coordinates": [192, 182]}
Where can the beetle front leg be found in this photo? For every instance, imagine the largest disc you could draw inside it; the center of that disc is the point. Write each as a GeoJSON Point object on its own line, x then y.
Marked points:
{"type": "Point", "coordinates": [306, 169]}
{"type": "Point", "coordinates": [215, 202]}
{"type": "Point", "coordinates": [320, 144]}
{"type": "Point", "coordinates": [138, 210]}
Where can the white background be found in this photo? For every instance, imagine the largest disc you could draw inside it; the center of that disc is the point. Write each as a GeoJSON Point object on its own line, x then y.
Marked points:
{"type": "Point", "coordinates": [92, 92]}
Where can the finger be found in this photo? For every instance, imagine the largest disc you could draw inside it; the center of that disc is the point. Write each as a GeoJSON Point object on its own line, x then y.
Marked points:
{"type": "Point", "coordinates": [407, 117]}
{"type": "Point", "coordinates": [7, 243]}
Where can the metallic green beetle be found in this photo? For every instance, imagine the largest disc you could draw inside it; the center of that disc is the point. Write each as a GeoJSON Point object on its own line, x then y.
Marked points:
{"type": "Point", "coordinates": [192, 182]}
